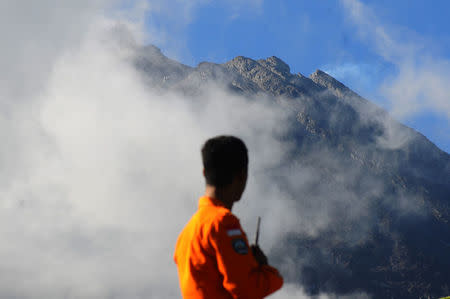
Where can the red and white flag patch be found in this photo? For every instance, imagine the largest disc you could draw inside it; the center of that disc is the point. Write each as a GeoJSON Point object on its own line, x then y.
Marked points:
{"type": "Point", "coordinates": [234, 232]}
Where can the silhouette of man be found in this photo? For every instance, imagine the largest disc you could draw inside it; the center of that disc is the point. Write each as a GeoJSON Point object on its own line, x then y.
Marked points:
{"type": "Point", "coordinates": [212, 253]}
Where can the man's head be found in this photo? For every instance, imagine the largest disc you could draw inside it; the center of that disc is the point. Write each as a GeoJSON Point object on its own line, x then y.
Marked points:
{"type": "Point", "coordinates": [225, 162]}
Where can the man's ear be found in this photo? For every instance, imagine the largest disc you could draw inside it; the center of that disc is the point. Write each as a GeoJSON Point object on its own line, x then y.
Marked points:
{"type": "Point", "coordinates": [242, 175]}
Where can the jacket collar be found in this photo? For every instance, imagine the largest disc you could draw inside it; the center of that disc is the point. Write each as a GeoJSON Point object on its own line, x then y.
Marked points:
{"type": "Point", "coordinates": [209, 201]}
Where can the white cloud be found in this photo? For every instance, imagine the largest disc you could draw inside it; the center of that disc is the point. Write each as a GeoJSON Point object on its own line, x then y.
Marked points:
{"type": "Point", "coordinates": [422, 79]}
{"type": "Point", "coordinates": [33, 33]}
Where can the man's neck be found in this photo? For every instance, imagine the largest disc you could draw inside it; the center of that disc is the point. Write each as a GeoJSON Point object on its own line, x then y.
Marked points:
{"type": "Point", "coordinates": [220, 194]}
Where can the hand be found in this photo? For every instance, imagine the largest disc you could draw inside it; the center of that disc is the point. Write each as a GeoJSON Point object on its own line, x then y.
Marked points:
{"type": "Point", "coordinates": [259, 255]}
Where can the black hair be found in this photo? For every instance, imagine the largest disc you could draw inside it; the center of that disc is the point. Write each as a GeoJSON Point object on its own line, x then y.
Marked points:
{"type": "Point", "coordinates": [223, 158]}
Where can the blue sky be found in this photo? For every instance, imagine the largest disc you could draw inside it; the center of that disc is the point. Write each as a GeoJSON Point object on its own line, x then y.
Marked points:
{"type": "Point", "coordinates": [377, 48]}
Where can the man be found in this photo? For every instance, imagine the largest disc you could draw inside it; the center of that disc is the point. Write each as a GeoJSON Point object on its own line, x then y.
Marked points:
{"type": "Point", "coordinates": [212, 253]}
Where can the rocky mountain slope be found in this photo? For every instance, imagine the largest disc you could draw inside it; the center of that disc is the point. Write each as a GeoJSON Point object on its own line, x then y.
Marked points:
{"type": "Point", "coordinates": [400, 247]}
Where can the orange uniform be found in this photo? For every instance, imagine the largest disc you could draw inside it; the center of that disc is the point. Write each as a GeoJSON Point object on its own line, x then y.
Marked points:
{"type": "Point", "coordinates": [214, 259]}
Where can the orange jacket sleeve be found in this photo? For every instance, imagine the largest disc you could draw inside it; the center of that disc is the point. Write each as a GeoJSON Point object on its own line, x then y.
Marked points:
{"type": "Point", "coordinates": [243, 277]}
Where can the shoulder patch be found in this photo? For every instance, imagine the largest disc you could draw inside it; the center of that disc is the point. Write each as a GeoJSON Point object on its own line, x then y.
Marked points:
{"type": "Point", "coordinates": [240, 246]}
{"type": "Point", "coordinates": [234, 232]}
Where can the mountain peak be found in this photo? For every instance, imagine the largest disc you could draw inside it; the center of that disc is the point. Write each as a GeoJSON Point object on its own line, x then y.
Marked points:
{"type": "Point", "coordinates": [327, 81]}
{"type": "Point", "coordinates": [151, 47]}
{"type": "Point", "coordinates": [276, 65]}
{"type": "Point", "coordinates": [242, 63]}
{"type": "Point", "coordinates": [319, 74]}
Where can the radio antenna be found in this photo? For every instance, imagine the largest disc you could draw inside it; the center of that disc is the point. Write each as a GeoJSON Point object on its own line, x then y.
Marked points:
{"type": "Point", "coordinates": [257, 231]}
